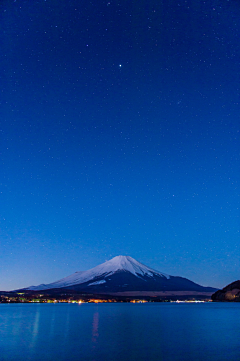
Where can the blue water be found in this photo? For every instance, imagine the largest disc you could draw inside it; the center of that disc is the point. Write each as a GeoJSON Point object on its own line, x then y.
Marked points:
{"type": "Point", "coordinates": [102, 332]}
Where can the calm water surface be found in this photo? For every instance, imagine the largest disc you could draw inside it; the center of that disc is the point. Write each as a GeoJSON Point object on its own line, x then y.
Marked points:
{"type": "Point", "coordinates": [102, 332]}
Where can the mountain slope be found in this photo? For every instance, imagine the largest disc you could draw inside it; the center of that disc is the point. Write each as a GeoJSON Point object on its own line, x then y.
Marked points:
{"type": "Point", "coordinates": [230, 293]}
{"type": "Point", "coordinates": [123, 274]}
{"type": "Point", "coordinates": [116, 264]}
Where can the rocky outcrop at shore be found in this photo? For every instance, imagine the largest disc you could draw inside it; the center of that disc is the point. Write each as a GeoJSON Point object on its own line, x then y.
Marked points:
{"type": "Point", "coordinates": [230, 293]}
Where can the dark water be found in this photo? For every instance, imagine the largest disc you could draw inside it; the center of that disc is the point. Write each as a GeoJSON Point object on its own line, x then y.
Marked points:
{"type": "Point", "coordinates": [103, 332]}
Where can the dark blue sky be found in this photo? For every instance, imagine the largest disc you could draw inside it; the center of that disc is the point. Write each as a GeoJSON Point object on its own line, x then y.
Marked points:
{"type": "Point", "coordinates": [119, 135]}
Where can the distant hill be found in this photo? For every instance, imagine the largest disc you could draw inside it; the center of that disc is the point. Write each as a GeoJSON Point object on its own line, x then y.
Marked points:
{"type": "Point", "coordinates": [124, 276]}
{"type": "Point", "coordinates": [230, 293]}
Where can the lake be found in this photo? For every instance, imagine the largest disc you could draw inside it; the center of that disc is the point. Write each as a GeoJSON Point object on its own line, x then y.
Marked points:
{"type": "Point", "coordinates": [120, 331]}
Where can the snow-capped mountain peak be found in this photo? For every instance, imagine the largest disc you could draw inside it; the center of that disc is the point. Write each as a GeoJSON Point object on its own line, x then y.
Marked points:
{"type": "Point", "coordinates": [116, 264]}
{"type": "Point", "coordinates": [119, 275]}
{"type": "Point", "coordinates": [127, 263]}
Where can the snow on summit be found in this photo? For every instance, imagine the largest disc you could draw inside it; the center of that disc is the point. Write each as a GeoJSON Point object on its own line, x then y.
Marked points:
{"type": "Point", "coordinates": [116, 264]}
{"type": "Point", "coordinates": [127, 263]}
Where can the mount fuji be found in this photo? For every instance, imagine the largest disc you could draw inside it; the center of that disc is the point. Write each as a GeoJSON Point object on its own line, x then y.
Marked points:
{"type": "Point", "coordinates": [123, 275]}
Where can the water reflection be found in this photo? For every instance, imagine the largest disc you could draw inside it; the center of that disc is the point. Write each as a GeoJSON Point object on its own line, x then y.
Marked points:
{"type": "Point", "coordinates": [35, 330]}
{"type": "Point", "coordinates": [66, 327]}
{"type": "Point", "coordinates": [52, 323]}
{"type": "Point", "coordinates": [119, 332]}
{"type": "Point", "coordinates": [95, 333]}
{"type": "Point", "coordinates": [95, 327]}
{"type": "Point", "coordinates": [36, 324]}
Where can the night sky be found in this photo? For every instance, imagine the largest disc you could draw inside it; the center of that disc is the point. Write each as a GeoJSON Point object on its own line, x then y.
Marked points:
{"type": "Point", "coordinates": [119, 135]}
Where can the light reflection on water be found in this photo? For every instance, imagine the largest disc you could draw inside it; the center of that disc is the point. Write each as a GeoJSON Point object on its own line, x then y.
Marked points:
{"type": "Point", "coordinates": [104, 332]}
{"type": "Point", "coordinates": [95, 333]}
{"type": "Point", "coordinates": [95, 327]}
{"type": "Point", "coordinates": [35, 330]}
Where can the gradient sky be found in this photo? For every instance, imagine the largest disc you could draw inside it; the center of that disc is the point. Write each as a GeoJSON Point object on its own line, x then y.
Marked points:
{"type": "Point", "coordinates": [119, 135]}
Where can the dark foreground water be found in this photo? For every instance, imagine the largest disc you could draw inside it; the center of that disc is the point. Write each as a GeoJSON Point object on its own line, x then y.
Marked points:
{"type": "Point", "coordinates": [103, 332]}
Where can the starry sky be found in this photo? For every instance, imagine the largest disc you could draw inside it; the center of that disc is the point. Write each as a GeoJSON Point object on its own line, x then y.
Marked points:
{"type": "Point", "coordinates": [119, 135]}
